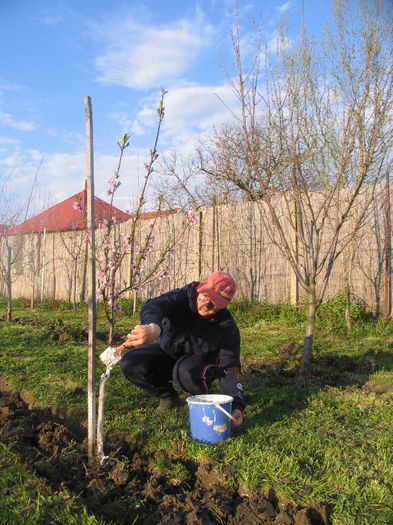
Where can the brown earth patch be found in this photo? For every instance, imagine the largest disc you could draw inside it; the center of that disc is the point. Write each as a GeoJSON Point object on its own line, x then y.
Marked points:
{"type": "Point", "coordinates": [128, 488]}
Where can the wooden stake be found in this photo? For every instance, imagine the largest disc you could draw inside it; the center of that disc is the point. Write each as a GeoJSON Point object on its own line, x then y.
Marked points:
{"type": "Point", "coordinates": [91, 302]}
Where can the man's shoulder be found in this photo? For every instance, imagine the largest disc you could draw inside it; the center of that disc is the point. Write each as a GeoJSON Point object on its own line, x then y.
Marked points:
{"type": "Point", "coordinates": [175, 298]}
{"type": "Point", "coordinates": [184, 293]}
{"type": "Point", "coordinates": [228, 321]}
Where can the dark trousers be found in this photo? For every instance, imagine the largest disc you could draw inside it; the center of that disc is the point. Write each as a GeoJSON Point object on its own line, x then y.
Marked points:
{"type": "Point", "coordinates": [153, 370]}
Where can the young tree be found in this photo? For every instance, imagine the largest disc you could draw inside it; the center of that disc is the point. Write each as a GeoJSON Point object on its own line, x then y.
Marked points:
{"type": "Point", "coordinates": [74, 244]}
{"type": "Point", "coordinates": [312, 140]}
{"type": "Point", "coordinates": [11, 245]}
{"type": "Point", "coordinates": [8, 216]}
{"type": "Point", "coordinates": [112, 247]}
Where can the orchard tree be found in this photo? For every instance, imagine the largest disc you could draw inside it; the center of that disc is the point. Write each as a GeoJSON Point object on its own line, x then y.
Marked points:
{"type": "Point", "coordinates": [11, 245]}
{"type": "Point", "coordinates": [312, 138]}
{"type": "Point", "coordinates": [8, 215]}
{"type": "Point", "coordinates": [113, 247]}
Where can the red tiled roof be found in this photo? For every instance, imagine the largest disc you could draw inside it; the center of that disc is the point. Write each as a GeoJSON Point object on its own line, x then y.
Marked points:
{"type": "Point", "coordinates": [64, 216]}
{"type": "Point", "coordinates": [154, 214]}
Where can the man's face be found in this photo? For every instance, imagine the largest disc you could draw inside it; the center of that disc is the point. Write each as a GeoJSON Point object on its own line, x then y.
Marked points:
{"type": "Point", "coordinates": [205, 307]}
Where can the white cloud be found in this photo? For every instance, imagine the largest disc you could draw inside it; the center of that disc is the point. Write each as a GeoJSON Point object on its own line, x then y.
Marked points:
{"type": "Point", "coordinates": [284, 7]}
{"type": "Point", "coordinates": [141, 55]}
{"type": "Point", "coordinates": [69, 137]}
{"type": "Point", "coordinates": [6, 119]}
{"type": "Point", "coordinates": [63, 174]}
{"type": "Point", "coordinates": [279, 43]}
{"type": "Point", "coordinates": [146, 118]}
{"type": "Point", "coordinates": [50, 17]}
{"type": "Point", "coordinates": [198, 107]}
{"type": "Point", "coordinates": [191, 111]}
{"type": "Point", "coordinates": [9, 141]}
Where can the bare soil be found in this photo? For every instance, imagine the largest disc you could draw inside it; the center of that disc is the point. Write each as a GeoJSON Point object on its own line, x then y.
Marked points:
{"type": "Point", "coordinates": [128, 488]}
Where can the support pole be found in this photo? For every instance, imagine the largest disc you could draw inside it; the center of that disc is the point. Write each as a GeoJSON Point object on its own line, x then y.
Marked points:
{"type": "Point", "coordinates": [387, 249]}
{"type": "Point", "coordinates": [91, 273]}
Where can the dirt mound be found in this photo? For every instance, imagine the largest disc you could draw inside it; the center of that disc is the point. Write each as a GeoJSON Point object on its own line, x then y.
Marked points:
{"type": "Point", "coordinates": [128, 488]}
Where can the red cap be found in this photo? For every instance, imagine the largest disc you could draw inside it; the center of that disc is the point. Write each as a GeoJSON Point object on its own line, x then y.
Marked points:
{"type": "Point", "coordinates": [219, 287]}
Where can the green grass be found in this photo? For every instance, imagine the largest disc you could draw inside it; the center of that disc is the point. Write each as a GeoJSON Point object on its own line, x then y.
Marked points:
{"type": "Point", "coordinates": [329, 442]}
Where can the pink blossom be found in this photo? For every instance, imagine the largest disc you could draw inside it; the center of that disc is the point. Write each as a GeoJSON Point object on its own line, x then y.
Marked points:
{"type": "Point", "coordinates": [109, 191]}
{"type": "Point", "coordinates": [76, 206]}
{"type": "Point", "coordinates": [193, 217]}
{"type": "Point", "coordinates": [162, 274]}
{"type": "Point", "coordinates": [112, 181]}
{"type": "Point", "coordinates": [108, 243]}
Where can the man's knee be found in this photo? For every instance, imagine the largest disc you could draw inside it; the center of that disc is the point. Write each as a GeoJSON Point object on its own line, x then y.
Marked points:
{"type": "Point", "coordinates": [132, 367]}
{"type": "Point", "coordinates": [193, 374]}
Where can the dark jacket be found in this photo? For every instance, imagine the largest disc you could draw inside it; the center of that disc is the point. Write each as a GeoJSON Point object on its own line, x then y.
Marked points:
{"type": "Point", "coordinates": [184, 331]}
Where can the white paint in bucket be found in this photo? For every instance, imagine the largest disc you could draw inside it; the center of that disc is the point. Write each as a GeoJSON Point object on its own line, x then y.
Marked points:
{"type": "Point", "coordinates": [210, 416]}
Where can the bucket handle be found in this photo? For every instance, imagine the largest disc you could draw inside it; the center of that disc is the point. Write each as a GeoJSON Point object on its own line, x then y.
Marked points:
{"type": "Point", "coordinates": [224, 411]}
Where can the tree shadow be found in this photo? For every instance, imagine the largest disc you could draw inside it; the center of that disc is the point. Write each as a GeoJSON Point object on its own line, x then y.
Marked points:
{"type": "Point", "coordinates": [273, 390]}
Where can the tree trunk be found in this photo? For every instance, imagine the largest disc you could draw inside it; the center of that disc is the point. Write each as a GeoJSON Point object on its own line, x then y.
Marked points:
{"type": "Point", "coordinates": [84, 272]}
{"type": "Point", "coordinates": [111, 331]}
{"type": "Point", "coordinates": [309, 335]}
{"type": "Point", "coordinates": [75, 283]}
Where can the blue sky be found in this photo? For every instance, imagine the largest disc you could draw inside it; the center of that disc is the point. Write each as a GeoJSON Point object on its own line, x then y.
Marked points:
{"type": "Point", "coordinates": [120, 54]}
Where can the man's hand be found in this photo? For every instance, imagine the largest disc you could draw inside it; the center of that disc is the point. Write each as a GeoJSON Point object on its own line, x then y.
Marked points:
{"type": "Point", "coordinates": [143, 334]}
{"type": "Point", "coordinates": [238, 415]}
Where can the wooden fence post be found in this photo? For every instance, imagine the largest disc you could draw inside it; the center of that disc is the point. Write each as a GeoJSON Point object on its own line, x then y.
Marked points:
{"type": "Point", "coordinates": [293, 224]}
{"type": "Point", "coordinates": [198, 253]}
{"type": "Point", "coordinates": [43, 265]}
{"type": "Point", "coordinates": [387, 290]}
{"type": "Point", "coordinates": [213, 232]}
{"type": "Point", "coordinates": [91, 374]}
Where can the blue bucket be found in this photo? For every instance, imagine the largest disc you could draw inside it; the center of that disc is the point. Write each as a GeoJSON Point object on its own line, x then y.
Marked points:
{"type": "Point", "coordinates": [207, 420]}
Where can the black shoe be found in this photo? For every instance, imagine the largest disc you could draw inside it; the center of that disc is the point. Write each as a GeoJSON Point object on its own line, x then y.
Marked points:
{"type": "Point", "coordinates": [169, 404]}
